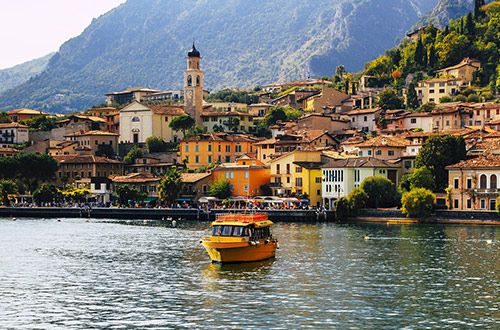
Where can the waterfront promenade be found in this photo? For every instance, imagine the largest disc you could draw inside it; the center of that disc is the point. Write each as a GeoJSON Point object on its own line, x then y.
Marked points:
{"type": "Point", "coordinates": [296, 215]}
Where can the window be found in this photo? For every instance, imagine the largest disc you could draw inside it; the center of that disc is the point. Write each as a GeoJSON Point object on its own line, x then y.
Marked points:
{"type": "Point", "coordinates": [209, 147]}
{"type": "Point", "coordinates": [390, 152]}
{"type": "Point", "coordinates": [209, 158]}
{"type": "Point", "coordinates": [469, 183]}
{"type": "Point", "coordinates": [197, 148]}
{"type": "Point", "coordinates": [447, 123]}
{"type": "Point", "coordinates": [360, 153]}
{"type": "Point", "coordinates": [237, 148]}
{"type": "Point", "coordinates": [228, 159]}
{"type": "Point", "coordinates": [407, 164]}
{"type": "Point", "coordinates": [365, 118]}
{"type": "Point", "coordinates": [197, 159]}
{"type": "Point", "coordinates": [318, 179]}
{"type": "Point", "coordinates": [287, 168]}
{"type": "Point", "coordinates": [298, 169]}
{"type": "Point", "coordinates": [219, 147]}
{"type": "Point", "coordinates": [469, 203]}
{"type": "Point", "coordinates": [441, 90]}
{"type": "Point", "coordinates": [228, 148]}
{"type": "Point", "coordinates": [493, 181]}
{"type": "Point", "coordinates": [245, 188]}
{"type": "Point", "coordinates": [187, 148]}
{"type": "Point", "coordinates": [431, 91]}
{"type": "Point", "coordinates": [431, 85]}
{"type": "Point", "coordinates": [482, 181]}
{"type": "Point", "coordinates": [369, 152]}
{"type": "Point", "coordinates": [482, 204]}
{"type": "Point", "coordinates": [277, 168]}
{"type": "Point", "coordinates": [455, 203]}
{"type": "Point", "coordinates": [246, 174]}
{"type": "Point", "coordinates": [413, 120]}
{"type": "Point", "coordinates": [298, 182]}
{"type": "Point", "coordinates": [378, 152]}
{"type": "Point", "coordinates": [456, 183]}
{"type": "Point", "coordinates": [318, 192]}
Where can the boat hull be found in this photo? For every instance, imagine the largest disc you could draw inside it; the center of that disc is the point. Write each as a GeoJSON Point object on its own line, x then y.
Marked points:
{"type": "Point", "coordinates": [226, 252]}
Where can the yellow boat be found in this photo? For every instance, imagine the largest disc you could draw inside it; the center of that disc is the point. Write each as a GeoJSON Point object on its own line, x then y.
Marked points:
{"type": "Point", "coordinates": [240, 238]}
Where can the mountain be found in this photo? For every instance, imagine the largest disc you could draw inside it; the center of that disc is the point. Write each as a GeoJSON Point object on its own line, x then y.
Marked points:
{"type": "Point", "coordinates": [16, 75]}
{"type": "Point", "coordinates": [242, 44]}
{"type": "Point", "coordinates": [445, 11]}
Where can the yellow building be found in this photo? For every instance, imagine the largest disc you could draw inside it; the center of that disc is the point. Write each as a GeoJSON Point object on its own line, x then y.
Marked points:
{"type": "Point", "coordinates": [465, 70]}
{"type": "Point", "coordinates": [101, 112]}
{"type": "Point", "coordinates": [213, 147]}
{"type": "Point", "coordinates": [297, 173]}
{"type": "Point", "coordinates": [24, 114]}
{"type": "Point", "coordinates": [225, 121]}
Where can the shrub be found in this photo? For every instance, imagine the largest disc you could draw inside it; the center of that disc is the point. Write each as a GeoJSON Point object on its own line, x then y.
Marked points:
{"type": "Point", "coordinates": [418, 203]}
{"type": "Point", "coordinates": [445, 99]}
{"type": "Point", "coordinates": [460, 98]}
{"type": "Point", "coordinates": [473, 98]}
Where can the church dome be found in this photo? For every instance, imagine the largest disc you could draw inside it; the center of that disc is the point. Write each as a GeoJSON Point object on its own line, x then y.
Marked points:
{"type": "Point", "coordinates": [193, 52]}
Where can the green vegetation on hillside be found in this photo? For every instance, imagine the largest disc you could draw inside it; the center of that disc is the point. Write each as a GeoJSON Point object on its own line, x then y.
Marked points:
{"type": "Point", "coordinates": [475, 36]}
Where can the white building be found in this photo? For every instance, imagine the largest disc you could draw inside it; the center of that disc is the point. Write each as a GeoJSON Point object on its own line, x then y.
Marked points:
{"type": "Point", "coordinates": [341, 176]}
{"type": "Point", "coordinates": [13, 133]}
{"type": "Point", "coordinates": [418, 120]}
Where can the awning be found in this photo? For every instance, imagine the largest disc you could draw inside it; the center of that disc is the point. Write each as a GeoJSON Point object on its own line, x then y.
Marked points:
{"type": "Point", "coordinates": [208, 199]}
{"type": "Point", "coordinates": [184, 199]}
{"type": "Point", "coordinates": [150, 199]}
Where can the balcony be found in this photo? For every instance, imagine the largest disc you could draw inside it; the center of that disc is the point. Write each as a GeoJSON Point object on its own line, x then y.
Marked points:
{"type": "Point", "coordinates": [275, 185]}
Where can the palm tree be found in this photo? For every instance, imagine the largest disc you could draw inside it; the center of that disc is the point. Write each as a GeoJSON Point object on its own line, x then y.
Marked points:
{"type": "Point", "coordinates": [340, 71]}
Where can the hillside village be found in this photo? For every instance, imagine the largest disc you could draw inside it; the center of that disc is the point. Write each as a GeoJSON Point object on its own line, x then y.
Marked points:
{"type": "Point", "coordinates": [302, 143]}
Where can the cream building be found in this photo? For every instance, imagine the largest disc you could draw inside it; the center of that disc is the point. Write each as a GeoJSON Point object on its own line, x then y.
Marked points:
{"type": "Point", "coordinates": [433, 89]}
{"type": "Point", "coordinates": [421, 120]}
{"type": "Point", "coordinates": [474, 183]}
{"type": "Point", "coordinates": [139, 121]}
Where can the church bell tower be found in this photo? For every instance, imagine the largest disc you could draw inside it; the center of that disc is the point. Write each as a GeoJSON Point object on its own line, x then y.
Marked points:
{"type": "Point", "coordinates": [193, 86]}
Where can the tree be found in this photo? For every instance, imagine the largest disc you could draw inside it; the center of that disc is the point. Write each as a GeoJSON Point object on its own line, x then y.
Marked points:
{"type": "Point", "coordinates": [473, 98]}
{"type": "Point", "coordinates": [460, 98]}
{"type": "Point", "coordinates": [470, 27]}
{"type": "Point", "coordinates": [293, 114]}
{"type": "Point", "coordinates": [380, 191]}
{"type": "Point", "coordinates": [77, 195]}
{"type": "Point", "coordinates": [127, 194]}
{"type": "Point", "coordinates": [34, 168]}
{"type": "Point", "coordinates": [171, 185]}
{"type": "Point", "coordinates": [445, 99]}
{"type": "Point", "coordinates": [418, 202]}
{"type": "Point", "coordinates": [235, 123]}
{"type": "Point", "coordinates": [437, 152]}
{"type": "Point", "coordinates": [182, 123]}
{"type": "Point", "coordinates": [4, 118]}
{"type": "Point", "coordinates": [422, 178]}
{"type": "Point", "coordinates": [388, 99]}
{"type": "Point", "coordinates": [266, 190]}
{"type": "Point", "coordinates": [41, 123]}
{"type": "Point", "coordinates": [340, 71]}
{"type": "Point", "coordinates": [342, 209]}
{"type": "Point", "coordinates": [357, 200]}
{"type": "Point", "coordinates": [7, 187]}
{"type": "Point", "coordinates": [411, 97]}
{"type": "Point", "coordinates": [419, 52]}
{"type": "Point", "coordinates": [47, 193]}
{"type": "Point", "coordinates": [155, 144]}
{"type": "Point", "coordinates": [134, 153]}
{"type": "Point", "coordinates": [428, 107]}
{"type": "Point", "coordinates": [431, 62]}
{"type": "Point", "coordinates": [221, 188]}
{"type": "Point", "coordinates": [275, 114]}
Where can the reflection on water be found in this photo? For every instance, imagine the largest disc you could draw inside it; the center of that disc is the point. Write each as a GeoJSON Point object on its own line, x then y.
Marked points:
{"type": "Point", "coordinates": [93, 275]}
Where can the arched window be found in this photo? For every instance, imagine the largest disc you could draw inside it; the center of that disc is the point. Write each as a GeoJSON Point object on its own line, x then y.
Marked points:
{"type": "Point", "coordinates": [189, 81]}
{"type": "Point", "coordinates": [136, 119]}
{"type": "Point", "coordinates": [493, 181]}
{"type": "Point", "coordinates": [482, 181]}
{"type": "Point", "coordinates": [198, 80]}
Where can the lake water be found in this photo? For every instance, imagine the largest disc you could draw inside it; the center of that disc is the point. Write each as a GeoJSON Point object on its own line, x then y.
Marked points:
{"type": "Point", "coordinates": [73, 274]}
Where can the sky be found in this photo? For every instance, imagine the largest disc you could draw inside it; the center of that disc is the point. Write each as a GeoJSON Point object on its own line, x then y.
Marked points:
{"type": "Point", "coordinates": [30, 29]}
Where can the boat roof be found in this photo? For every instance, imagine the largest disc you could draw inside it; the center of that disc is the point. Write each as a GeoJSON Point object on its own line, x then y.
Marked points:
{"type": "Point", "coordinates": [243, 220]}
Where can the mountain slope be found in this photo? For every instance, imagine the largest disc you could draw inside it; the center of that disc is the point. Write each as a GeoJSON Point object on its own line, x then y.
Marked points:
{"type": "Point", "coordinates": [16, 75]}
{"type": "Point", "coordinates": [242, 43]}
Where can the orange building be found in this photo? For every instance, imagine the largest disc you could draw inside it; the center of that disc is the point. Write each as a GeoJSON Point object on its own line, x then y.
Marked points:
{"type": "Point", "coordinates": [246, 175]}
{"type": "Point", "coordinates": [24, 114]}
{"type": "Point", "coordinates": [214, 147]}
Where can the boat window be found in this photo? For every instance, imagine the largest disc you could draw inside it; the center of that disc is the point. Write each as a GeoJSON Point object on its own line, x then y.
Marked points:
{"type": "Point", "coordinates": [216, 230]}
{"type": "Point", "coordinates": [226, 230]}
{"type": "Point", "coordinates": [237, 231]}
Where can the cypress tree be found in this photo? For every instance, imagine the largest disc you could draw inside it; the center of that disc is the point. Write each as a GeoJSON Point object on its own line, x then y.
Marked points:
{"type": "Point", "coordinates": [477, 5]}
{"type": "Point", "coordinates": [470, 27]}
{"type": "Point", "coordinates": [419, 52]}
{"type": "Point", "coordinates": [432, 57]}
{"type": "Point", "coordinates": [462, 25]}
{"type": "Point", "coordinates": [446, 30]}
